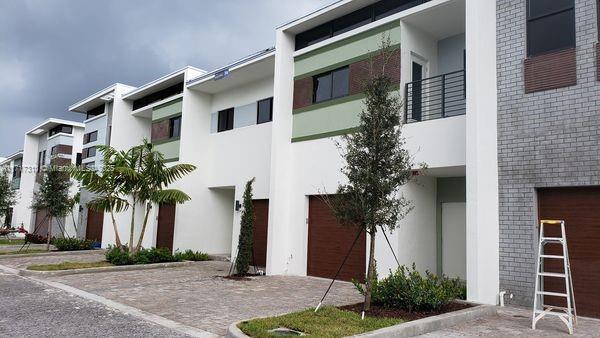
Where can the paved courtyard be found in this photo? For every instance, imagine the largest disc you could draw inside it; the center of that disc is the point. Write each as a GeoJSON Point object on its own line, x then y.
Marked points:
{"type": "Point", "coordinates": [198, 296]}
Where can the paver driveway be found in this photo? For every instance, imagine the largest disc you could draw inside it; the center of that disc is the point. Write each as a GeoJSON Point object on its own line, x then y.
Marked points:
{"type": "Point", "coordinates": [198, 296]}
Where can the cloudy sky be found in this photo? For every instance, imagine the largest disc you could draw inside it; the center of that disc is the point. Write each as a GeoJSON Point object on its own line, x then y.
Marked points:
{"type": "Point", "coordinates": [55, 52]}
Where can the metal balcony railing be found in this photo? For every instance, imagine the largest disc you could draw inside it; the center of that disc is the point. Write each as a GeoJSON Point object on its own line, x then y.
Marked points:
{"type": "Point", "coordinates": [435, 97]}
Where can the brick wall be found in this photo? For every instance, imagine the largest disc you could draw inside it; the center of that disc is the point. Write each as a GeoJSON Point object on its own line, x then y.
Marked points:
{"type": "Point", "coordinates": [548, 138]}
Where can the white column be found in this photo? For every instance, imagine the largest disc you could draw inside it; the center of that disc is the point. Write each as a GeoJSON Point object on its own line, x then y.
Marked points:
{"type": "Point", "coordinates": [281, 147]}
{"type": "Point", "coordinates": [482, 154]}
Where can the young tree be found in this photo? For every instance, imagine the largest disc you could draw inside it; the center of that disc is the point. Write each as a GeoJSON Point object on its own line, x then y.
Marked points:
{"type": "Point", "coordinates": [53, 196]}
{"type": "Point", "coordinates": [376, 163]}
{"type": "Point", "coordinates": [244, 256]}
{"type": "Point", "coordinates": [8, 195]}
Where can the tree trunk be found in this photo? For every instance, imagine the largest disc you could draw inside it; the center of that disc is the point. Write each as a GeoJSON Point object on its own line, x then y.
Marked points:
{"type": "Point", "coordinates": [132, 227]}
{"type": "Point", "coordinates": [370, 273]}
{"type": "Point", "coordinates": [139, 243]}
{"type": "Point", "coordinates": [49, 233]}
{"type": "Point", "coordinates": [114, 223]}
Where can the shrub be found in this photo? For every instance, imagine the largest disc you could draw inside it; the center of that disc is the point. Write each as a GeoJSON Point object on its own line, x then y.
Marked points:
{"type": "Point", "coordinates": [409, 290]}
{"type": "Point", "coordinates": [36, 239]}
{"type": "Point", "coordinates": [154, 255]}
{"type": "Point", "coordinates": [72, 244]}
{"type": "Point", "coordinates": [190, 255]}
{"type": "Point", "coordinates": [118, 255]}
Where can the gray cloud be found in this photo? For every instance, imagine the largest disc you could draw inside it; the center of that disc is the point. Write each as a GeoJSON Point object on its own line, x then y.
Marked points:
{"type": "Point", "coordinates": [55, 52]}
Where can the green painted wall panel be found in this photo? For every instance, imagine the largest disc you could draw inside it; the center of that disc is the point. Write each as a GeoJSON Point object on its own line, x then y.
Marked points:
{"type": "Point", "coordinates": [328, 119]}
{"type": "Point", "coordinates": [347, 49]}
{"type": "Point", "coordinates": [449, 190]}
{"type": "Point", "coordinates": [170, 150]}
{"type": "Point", "coordinates": [166, 110]}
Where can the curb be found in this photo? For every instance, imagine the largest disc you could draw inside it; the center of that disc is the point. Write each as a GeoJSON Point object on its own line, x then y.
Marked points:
{"type": "Point", "coordinates": [412, 328]}
{"type": "Point", "coordinates": [33, 273]}
{"type": "Point", "coordinates": [51, 253]}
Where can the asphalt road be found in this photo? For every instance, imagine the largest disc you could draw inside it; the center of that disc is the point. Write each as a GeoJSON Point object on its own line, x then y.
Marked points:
{"type": "Point", "coordinates": [28, 309]}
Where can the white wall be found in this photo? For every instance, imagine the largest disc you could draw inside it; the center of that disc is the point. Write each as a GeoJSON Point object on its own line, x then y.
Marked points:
{"type": "Point", "coordinates": [451, 54]}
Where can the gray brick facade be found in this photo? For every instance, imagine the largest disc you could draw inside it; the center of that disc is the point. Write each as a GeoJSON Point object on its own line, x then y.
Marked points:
{"type": "Point", "coordinates": [545, 139]}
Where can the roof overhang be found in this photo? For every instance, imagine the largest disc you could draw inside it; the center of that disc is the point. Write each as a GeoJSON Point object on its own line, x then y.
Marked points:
{"type": "Point", "coordinates": [161, 83]}
{"type": "Point", "coordinates": [51, 123]}
{"type": "Point", "coordinates": [105, 95]}
{"type": "Point", "coordinates": [252, 68]}
{"type": "Point", "coordinates": [12, 157]}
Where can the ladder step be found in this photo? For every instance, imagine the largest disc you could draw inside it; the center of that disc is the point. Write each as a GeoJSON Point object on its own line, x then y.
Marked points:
{"type": "Point", "coordinates": [552, 239]}
{"type": "Point", "coordinates": [548, 293]}
{"type": "Point", "coordinates": [552, 274]}
{"type": "Point", "coordinates": [552, 256]}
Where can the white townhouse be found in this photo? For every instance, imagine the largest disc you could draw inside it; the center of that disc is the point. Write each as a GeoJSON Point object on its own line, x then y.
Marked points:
{"type": "Point", "coordinates": [11, 167]}
{"type": "Point", "coordinates": [53, 142]}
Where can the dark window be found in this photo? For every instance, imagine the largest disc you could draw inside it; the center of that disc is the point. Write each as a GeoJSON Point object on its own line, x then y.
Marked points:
{"type": "Point", "coordinates": [331, 85]}
{"type": "Point", "coordinates": [89, 152]}
{"type": "Point", "coordinates": [225, 120]}
{"type": "Point", "coordinates": [158, 96]}
{"type": "Point", "coordinates": [550, 26]}
{"type": "Point", "coordinates": [54, 150]}
{"type": "Point", "coordinates": [41, 160]}
{"type": "Point", "coordinates": [353, 20]}
{"type": "Point", "coordinates": [90, 137]}
{"type": "Point", "coordinates": [175, 127]}
{"type": "Point", "coordinates": [78, 159]}
{"type": "Point", "coordinates": [17, 168]}
{"type": "Point", "coordinates": [95, 112]}
{"type": "Point", "coordinates": [265, 111]}
{"type": "Point", "coordinates": [63, 128]}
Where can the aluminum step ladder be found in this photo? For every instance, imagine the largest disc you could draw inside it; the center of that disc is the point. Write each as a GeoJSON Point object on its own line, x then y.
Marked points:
{"type": "Point", "coordinates": [567, 314]}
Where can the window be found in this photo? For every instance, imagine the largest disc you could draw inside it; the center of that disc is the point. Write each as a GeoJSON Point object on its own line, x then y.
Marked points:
{"type": "Point", "coordinates": [353, 20]}
{"type": "Point", "coordinates": [41, 160]}
{"type": "Point", "coordinates": [90, 137]}
{"type": "Point", "coordinates": [17, 169]}
{"type": "Point", "coordinates": [158, 96]}
{"type": "Point", "coordinates": [54, 150]}
{"type": "Point", "coordinates": [95, 112]}
{"type": "Point", "coordinates": [62, 128]}
{"type": "Point", "coordinates": [265, 111]}
{"type": "Point", "coordinates": [175, 127]}
{"type": "Point", "coordinates": [78, 159]}
{"type": "Point", "coordinates": [225, 120]}
{"type": "Point", "coordinates": [89, 152]}
{"type": "Point", "coordinates": [331, 85]}
{"type": "Point", "coordinates": [550, 26]}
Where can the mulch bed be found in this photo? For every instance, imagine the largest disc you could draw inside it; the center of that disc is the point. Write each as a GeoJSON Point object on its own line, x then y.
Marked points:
{"type": "Point", "coordinates": [246, 277]}
{"type": "Point", "coordinates": [382, 312]}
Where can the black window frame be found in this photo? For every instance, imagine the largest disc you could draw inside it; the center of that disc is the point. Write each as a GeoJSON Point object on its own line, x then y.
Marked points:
{"type": "Point", "coordinates": [61, 128]}
{"type": "Point", "coordinates": [94, 112]}
{"type": "Point", "coordinates": [87, 151]}
{"type": "Point", "coordinates": [330, 74]}
{"type": "Point", "coordinates": [87, 138]}
{"type": "Point", "coordinates": [258, 119]}
{"type": "Point", "coordinates": [531, 51]}
{"type": "Point", "coordinates": [160, 95]}
{"type": "Point", "coordinates": [172, 121]}
{"type": "Point", "coordinates": [17, 168]}
{"type": "Point", "coordinates": [226, 115]}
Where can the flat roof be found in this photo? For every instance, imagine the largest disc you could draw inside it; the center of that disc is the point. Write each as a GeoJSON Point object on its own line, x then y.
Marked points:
{"type": "Point", "coordinates": [11, 157]}
{"type": "Point", "coordinates": [96, 99]}
{"type": "Point", "coordinates": [51, 123]}
{"type": "Point", "coordinates": [160, 83]}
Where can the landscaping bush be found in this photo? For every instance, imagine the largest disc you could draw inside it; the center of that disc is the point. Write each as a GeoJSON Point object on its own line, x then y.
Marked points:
{"type": "Point", "coordinates": [190, 255]}
{"type": "Point", "coordinates": [36, 239]}
{"type": "Point", "coordinates": [121, 256]}
{"type": "Point", "coordinates": [409, 290]}
{"type": "Point", "coordinates": [72, 244]}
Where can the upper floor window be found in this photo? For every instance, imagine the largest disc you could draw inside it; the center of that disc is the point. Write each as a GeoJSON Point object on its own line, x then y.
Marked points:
{"type": "Point", "coordinates": [358, 18]}
{"type": "Point", "coordinates": [330, 85]}
{"type": "Point", "coordinates": [17, 169]}
{"type": "Point", "coordinates": [225, 120]}
{"type": "Point", "coordinates": [158, 96]}
{"type": "Point", "coordinates": [90, 137]}
{"type": "Point", "coordinates": [175, 127]}
{"type": "Point", "coordinates": [550, 26]}
{"type": "Point", "coordinates": [95, 112]}
{"type": "Point", "coordinates": [265, 111]}
{"type": "Point", "coordinates": [41, 160]}
{"type": "Point", "coordinates": [89, 152]}
{"type": "Point", "coordinates": [62, 128]}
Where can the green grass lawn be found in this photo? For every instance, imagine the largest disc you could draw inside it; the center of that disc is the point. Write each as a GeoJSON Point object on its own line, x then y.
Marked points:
{"type": "Point", "coordinates": [68, 266]}
{"type": "Point", "coordinates": [327, 322]}
{"type": "Point", "coordinates": [28, 251]}
{"type": "Point", "coordinates": [5, 241]}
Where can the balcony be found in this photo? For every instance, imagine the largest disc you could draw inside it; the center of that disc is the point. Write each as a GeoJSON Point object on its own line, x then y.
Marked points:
{"type": "Point", "coordinates": [435, 97]}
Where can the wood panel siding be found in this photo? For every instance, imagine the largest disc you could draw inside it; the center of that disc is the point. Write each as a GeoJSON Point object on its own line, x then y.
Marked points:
{"type": "Point", "coordinates": [578, 207]}
{"type": "Point", "coordinates": [160, 130]}
{"type": "Point", "coordinates": [166, 226]}
{"type": "Point", "coordinates": [261, 226]}
{"type": "Point", "coordinates": [303, 92]}
{"type": "Point", "coordinates": [94, 224]}
{"type": "Point", "coordinates": [60, 161]}
{"type": "Point", "coordinates": [550, 71]}
{"type": "Point", "coordinates": [329, 242]}
{"type": "Point", "coordinates": [360, 71]}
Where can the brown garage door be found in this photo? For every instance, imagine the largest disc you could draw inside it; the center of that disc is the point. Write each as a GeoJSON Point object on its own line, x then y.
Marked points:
{"type": "Point", "coordinates": [580, 208]}
{"type": "Point", "coordinates": [166, 226]}
{"type": "Point", "coordinates": [329, 242]}
{"type": "Point", "coordinates": [95, 221]}
{"type": "Point", "coordinates": [261, 225]}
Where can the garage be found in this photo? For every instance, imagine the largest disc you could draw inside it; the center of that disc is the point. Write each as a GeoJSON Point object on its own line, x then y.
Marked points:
{"type": "Point", "coordinates": [579, 207]}
{"type": "Point", "coordinates": [95, 221]}
{"type": "Point", "coordinates": [261, 222]}
{"type": "Point", "coordinates": [329, 242]}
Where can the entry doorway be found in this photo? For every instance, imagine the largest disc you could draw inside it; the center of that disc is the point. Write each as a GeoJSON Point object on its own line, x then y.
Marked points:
{"type": "Point", "coordinates": [166, 226]}
{"type": "Point", "coordinates": [454, 240]}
